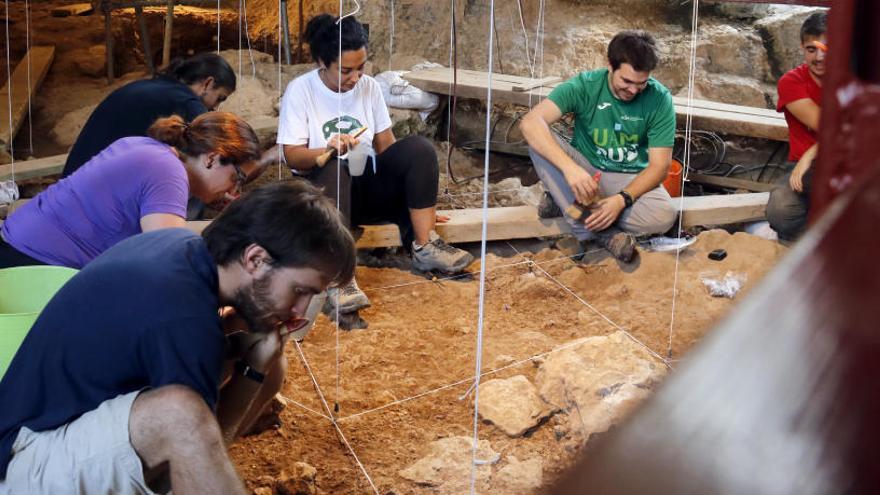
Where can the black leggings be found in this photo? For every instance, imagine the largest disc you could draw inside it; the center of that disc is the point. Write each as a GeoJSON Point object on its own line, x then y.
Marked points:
{"type": "Point", "coordinates": [10, 257]}
{"type": "Point", "coordinates": [406, 178]}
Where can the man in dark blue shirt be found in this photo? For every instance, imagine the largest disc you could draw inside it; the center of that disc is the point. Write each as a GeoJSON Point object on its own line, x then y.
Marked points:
{"type": "Point", "coordinates": [116, 386]}
{"type": "Point", "coordinates": [187, 87]}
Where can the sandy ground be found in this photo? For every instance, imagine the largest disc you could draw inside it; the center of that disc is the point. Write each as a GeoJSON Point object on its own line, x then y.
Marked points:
{"type": "Point", "coordinates": [422, 337]}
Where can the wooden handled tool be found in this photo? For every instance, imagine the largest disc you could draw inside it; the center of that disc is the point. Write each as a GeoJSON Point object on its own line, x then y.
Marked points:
{"type": "Point", "coordinates": [326, 156]}
{"type": "Point", "coordinates": [580, 211]}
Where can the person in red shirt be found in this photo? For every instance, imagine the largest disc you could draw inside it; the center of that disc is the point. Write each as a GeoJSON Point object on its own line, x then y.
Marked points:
{"type": "Point", "coordinates": [800, 91]}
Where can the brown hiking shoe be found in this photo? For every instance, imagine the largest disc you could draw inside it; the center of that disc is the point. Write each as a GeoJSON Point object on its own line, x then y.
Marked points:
{"type": "Point", "coordinates": [617, 242]}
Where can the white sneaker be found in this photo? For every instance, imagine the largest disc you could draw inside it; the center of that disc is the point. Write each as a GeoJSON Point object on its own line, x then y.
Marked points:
{"type": "Point", "coordinates": [346, 299]}
{"type": "Point", "coordinates": [437, 255]}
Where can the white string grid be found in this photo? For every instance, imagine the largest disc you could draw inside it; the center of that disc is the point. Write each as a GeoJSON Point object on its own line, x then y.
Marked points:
{"type": "Point", "coordinates": [9, 93]}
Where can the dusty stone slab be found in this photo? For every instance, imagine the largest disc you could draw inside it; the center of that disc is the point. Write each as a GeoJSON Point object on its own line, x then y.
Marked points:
{"type": "Point", "coordinates": [598, 381]}
{"type": "Point", "coordinates": [519, 477]}
{"type": "Point", "coordinates": [447, 465]}
{"type": "Point", "coordinates": [513, 405]}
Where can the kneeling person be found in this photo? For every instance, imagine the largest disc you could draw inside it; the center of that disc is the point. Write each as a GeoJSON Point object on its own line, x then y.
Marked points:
{"type": "Point", "coordinates": [624, 128]}
{"type": "Point", "coordinates": [117, 385]}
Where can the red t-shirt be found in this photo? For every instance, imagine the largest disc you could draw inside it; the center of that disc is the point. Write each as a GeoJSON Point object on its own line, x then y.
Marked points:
{"type": "Point", "coordinates": [795, 85]}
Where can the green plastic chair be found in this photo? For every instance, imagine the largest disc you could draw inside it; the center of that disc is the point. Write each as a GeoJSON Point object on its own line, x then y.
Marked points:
{"type": "Point", "coordinates": [24, 292]}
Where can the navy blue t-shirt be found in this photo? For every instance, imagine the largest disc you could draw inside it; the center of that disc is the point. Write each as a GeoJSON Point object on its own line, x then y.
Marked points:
{"type": "Point", "coordinates": [142, 314]}
{"type": "Point", "coordinates": [130, 111]}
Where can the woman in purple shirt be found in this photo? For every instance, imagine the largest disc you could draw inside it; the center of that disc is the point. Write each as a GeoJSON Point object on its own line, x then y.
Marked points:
{"type": "Point", "coordinates": [135, 185]}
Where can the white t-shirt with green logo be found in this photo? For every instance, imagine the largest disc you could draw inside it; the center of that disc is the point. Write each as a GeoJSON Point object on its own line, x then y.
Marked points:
{"type": "Point", "coordinates": [615, 135]}
{"type": "Point", "coordinates": [311, 113]}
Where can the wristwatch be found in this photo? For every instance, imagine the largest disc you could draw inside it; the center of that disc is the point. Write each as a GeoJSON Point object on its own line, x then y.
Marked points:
{"type": "Point", "coordinates": [245, 370]}
{"type": "Point", "coordinates": [627, 198]}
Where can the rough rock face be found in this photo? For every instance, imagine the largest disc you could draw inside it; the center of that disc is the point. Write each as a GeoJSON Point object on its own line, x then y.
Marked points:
{"type": "Point", "coordinates": [598, 382]}
{"type": "Point", "coordinates": [782, 34]}
{"type": "Point", "coordinates": [518, 477]}
{"type": "Point", "coordinates": [512, 404]}
{"type": "Point", "coordinates": [447, 465]}
{"type": "Point", "coordinates": [67, 128]}
{"type": "Point", "coordinates": [91, 61]}
{"type": "Point", "coordinates": [301, 481]}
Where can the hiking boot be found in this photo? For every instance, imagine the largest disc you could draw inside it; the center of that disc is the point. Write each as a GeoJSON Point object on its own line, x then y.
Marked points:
{"type": "Point", "coordinates": [349, 298]}
{"type": "Point", "coordinates": [547, 207]}
{"type": "Point", "coordinates": [617, 242]}
{"type": "Point", "coordinates": [439, 256]}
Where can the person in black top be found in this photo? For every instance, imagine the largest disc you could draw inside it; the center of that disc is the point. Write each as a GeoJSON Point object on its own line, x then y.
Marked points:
{"type": "Point", "coordinates": [117, 386]}
{"type": "Point", "coordinates": [187, 87]}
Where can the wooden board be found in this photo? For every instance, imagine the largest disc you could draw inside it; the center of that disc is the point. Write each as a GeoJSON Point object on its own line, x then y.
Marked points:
{"type": "Point", "coordinates": [708, 115]}
{"type": "Point", "coordinates": [536, 83]}
{"type": "Point", "coordinates": [74, 9]}
{"type": "Point", "coordinates": [265, 127]}
{"type": "Point", "coordinates": [722, 209]}
{"type": "Point", "coordinates": [40, 59]}
{"type": "Point", "coordinates": [522, 222]}
{"type": "Point", "coordinates": [729, 182]}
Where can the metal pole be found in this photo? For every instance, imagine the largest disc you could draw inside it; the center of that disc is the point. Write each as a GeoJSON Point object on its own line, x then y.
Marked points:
{"type": "Point", "coordinates": [169, 23]}
{"type": "Point", "coordinates": [145, 38]}
{"type": "Point", "coordinates": [285, 30]}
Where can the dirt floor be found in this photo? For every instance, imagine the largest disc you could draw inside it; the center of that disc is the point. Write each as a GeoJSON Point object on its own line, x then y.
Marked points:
{"type": "Point", "coordinates": [422, 337]}
{"type": "Point", "coordinates": [422, 334]}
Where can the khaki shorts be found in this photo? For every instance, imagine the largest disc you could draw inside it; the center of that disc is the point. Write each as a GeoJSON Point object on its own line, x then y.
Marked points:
{"type": "Point", "coordinates": [92, 454]}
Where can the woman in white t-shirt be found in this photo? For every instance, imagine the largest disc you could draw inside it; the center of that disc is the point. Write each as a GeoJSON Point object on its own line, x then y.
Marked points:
{"type": "Point", "coordinates": [322, 109]}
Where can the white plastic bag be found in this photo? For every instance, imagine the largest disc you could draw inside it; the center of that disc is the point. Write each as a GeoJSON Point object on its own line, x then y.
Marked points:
{"type": "Point", "coordinates": [8, 192]}
{"type": "Point", "coordinates": [726, 286]}
{"type": "Point", "coordinates": [399, 93]}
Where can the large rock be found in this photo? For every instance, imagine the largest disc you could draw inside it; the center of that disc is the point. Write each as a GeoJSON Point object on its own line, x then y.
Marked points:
{"type": "Point", "coordinates": [68, 127]}
{"type": "Point", "coordinates": [91, 61]}
{"type": "Point", "coordinates": [301, 481]}
{"type": "Point", "coordinates": [782, 36]}
{"type": "Point", "coordinates": [513, 405]}
{"type": "Point", "coordinates": [724, 49]}
{"type": "Point", "coordinates": [736, 90]}
{"type": "Point", "coordinates": [447, 465]}
{"type": "Point", "coordinates": [250, 99]}
{"type": "Point", "coordinates": [598, 381]}
{"type": "Point", "coordinates": [518, 477]}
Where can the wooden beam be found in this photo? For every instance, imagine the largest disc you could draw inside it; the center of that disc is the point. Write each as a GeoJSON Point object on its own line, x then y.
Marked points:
{"type": "Point", "coordinates": [522, 222]}
{"type": "Point", "coordinates": [729, 182]}
{"type": "Point", "coordinates": [74, 9]}
{"type": "Point", "coordinates": [720, 117]}
{"type": "Point", "coordinates": [536, 83]}
{"type": "Point", "coordinates": [40, 59]}
{"type": "Point", "coordinates": [722, 209]}
{"type": "Point", "coordinates": [30, 169]}
{"type": "Point", "coordinates": [265, 127]}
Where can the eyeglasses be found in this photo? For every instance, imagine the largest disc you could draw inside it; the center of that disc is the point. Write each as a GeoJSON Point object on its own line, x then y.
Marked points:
{"type": "Point", "coordinates": [240, 177]}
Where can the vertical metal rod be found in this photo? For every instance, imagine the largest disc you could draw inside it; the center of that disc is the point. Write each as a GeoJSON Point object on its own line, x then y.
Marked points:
{"type": "Point", "coordinates": [145, 38]}
{"type": "Point", "coordinates": [285, 31]}
{"type": "Point", "coordinates": [169, 25]}
{"type": "Point", "coordinates": [108, 34]}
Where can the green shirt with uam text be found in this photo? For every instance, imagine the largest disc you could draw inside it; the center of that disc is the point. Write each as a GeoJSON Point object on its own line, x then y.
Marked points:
{"type": "Point", "coordinates": [615, 135]}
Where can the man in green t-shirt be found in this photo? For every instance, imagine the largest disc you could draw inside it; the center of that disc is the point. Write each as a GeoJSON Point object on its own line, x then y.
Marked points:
{"type": "Point", "coordinates": [624, 128]}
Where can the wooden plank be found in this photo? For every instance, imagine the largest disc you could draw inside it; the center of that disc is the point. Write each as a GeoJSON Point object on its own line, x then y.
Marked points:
{"type": "Point", "coordinates": [730, 182]}
{"type": "Point", "coordinates": [74, 9]}
{"type": "Point", "coordinates": [536, 83]}
{"type": "Point", "coordinates": [722, 209]}
{"type": "Point", "coordinates": [40, 59]}
{"type": "Point", "coordinates": [30, 169]}
{"type": "Point", "coordinates": [265, 127]}
{"type": "Point", "coordinates": [720, 117]}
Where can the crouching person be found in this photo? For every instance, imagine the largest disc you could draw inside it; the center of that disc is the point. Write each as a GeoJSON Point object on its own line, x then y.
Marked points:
{"type": "Point", "coordinates": [624, 128]}
{"type": "Point", "coordinates": [117, 387]}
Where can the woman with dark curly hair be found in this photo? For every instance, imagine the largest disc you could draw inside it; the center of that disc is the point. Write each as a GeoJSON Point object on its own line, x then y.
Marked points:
{"type": "Point", "coordinates": [324, 109]}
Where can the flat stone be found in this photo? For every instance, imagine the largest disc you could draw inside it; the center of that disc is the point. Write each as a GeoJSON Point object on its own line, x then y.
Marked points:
{"type": "Point", "coordinates": [519, 477]}
{"type": "Point", "coordinates": [598, 381]}
{"type": "Point", "coordinates": [447, 465]}
{"type": "Point", "coordinates": [513, 405]}
{"type": "Point", "coordinates": [301, 480]}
